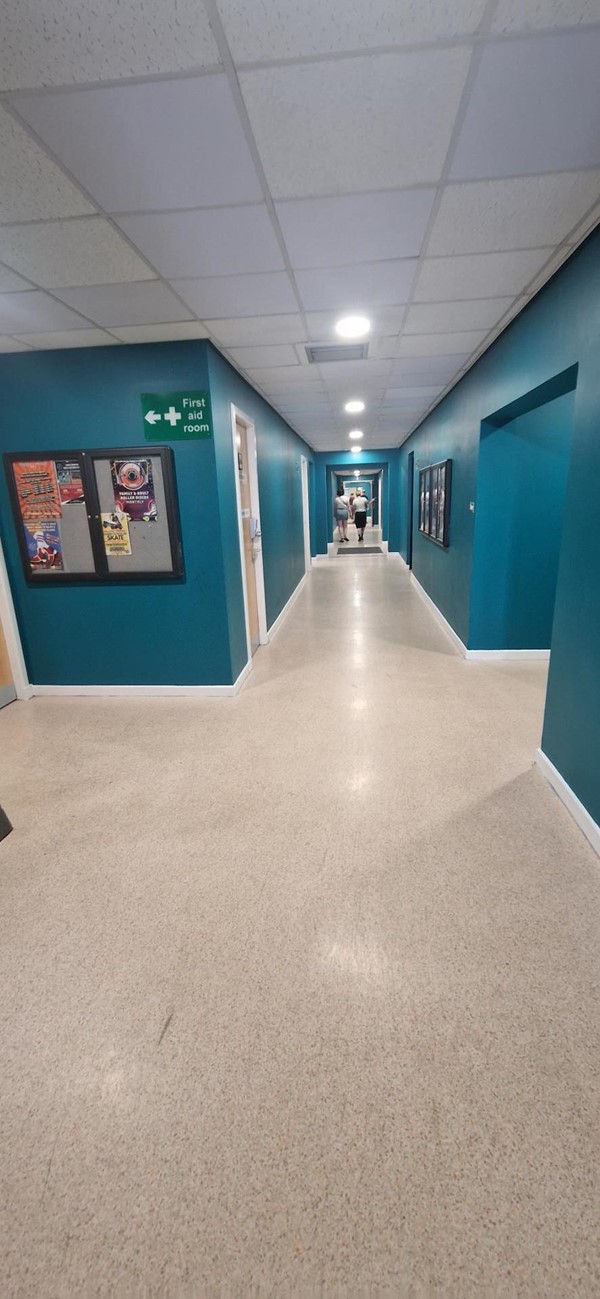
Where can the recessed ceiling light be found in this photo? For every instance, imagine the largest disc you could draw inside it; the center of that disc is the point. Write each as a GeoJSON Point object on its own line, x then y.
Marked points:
{"type": "Point", "coordinates": [356, 450]}
{"type": "Point", "coordinates": [356, 433]}
{"type": "Point", "coordinates": [356, 473]}
{"type": "Point", "coordinates": [354, 407]}
{"type": "Point", "coordinates": [353, 326]}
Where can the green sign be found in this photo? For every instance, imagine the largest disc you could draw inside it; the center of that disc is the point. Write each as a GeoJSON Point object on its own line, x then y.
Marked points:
{"type": "Point", "coordinates": [176, 415]}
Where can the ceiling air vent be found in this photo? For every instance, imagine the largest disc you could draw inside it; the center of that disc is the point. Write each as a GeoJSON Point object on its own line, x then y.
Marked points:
{"type": "Point", "coordinates": [318, 353]}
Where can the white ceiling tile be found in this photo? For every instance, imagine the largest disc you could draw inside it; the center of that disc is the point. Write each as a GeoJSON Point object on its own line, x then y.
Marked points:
{"type": "Point", "coordinates": [69, 338]}
{"type": "Point", "coordinates": [439, 344]}
{"type": "Point", "coordinates": [528, 211]}
{"type": "Point", "coordinates": [66, 41]}
{"type": "Point", "coordinates": [349, 287]}
{"type": "Point", "coordinates": [534, 107]}
{"type": "Point", "coordinates": [255, 357]}
{"type": "Point", "coordinates": [33, 186]}
{"type": "Point", "coordinates": [168, 332]}
{"type": "Point", "coordinates": [398, 396]}
{"type": "Point", "coordinates": [529, 15]}
{"type": "Point", "coordinates": [125, 304]}
{"type": "Point", "coordinates": [261, 30]}
{"type": "Point", "coordinates": [355, 371]}
{"type": "Point", "coordinates": [155, 145]}
{"type": "Point", "coordinates": [22, 313]}
{"type": "Point", "coordinates": [433, 368]}
{"type": "Point", "coordinates": [242, 295]}
{"type": "Point", "coordinates": [384, 348]}
{"type": "Point", "coordinates": [251, 331]}
{"type": "Point", "coordinates": [355, 227]}
{"type": "Point", "coordinates": [11, 283]}
{"type": "Point", "coordinates": [305, 405]}
{"type": "Point", "coordinates": [213, 241]}
{"type": "Point", "coordinates": [11, 345]}
{"type": "Point", "coordinates": [442, 317]}
{"type": "Point", "coordinates": [56, 254]}
{"type": "Point", "coordinates": [482, 275]}
{"type": "Point", "coordinates": [583, 228]}
{"type": "Point", "coordinates": [366, 104]}
{"type": "Point", "coordinates": [286, 378]}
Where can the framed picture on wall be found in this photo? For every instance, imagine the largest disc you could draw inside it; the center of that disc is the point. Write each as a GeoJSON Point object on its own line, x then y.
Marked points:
{"type": "Point", "coordinates": [434, 501]}
{"type": "Point", "coordinates": [106, 515]}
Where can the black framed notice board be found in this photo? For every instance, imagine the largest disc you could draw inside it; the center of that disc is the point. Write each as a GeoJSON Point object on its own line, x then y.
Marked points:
{"type": "Point", "coordinates": [105, 515]}
{"type": "Point", "coordinates": [434, 502]}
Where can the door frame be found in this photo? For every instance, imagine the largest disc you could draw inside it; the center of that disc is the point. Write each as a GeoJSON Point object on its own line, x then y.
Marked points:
{"type": "Point", "coordinates": [12, 636]}
{"type": "Point", "coordinates": [305, 513]}
{"type": "Point", "coordinates": [238, 416]}
{"type": "Point", "coordinates": [410, 507]}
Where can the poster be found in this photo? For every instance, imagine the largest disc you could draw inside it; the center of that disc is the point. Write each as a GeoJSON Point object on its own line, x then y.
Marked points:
{"type": "Point", "coordinates": [70, 486]}
{"type": "Point", "coordinates": [115, 533]}
{"type": "Point", "coordinates": [134, 489]}
{"type": "Point", "coordinates": [43, 545]}
{"type": "Point", "coordinates": [37, 490]}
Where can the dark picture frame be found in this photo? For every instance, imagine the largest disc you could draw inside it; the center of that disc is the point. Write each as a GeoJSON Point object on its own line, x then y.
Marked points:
{"type": "Point", "coordinates": [434, 502]}
{"type": "Point", "coordinates": [96, 561]}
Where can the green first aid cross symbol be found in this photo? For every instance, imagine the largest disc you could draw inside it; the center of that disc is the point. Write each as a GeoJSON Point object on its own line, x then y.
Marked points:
{"type": "Point", "coordinates": [176, 415]}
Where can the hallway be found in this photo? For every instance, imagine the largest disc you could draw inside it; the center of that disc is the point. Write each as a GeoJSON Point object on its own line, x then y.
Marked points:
{"type": "Point", "coordinates": [299, 990]}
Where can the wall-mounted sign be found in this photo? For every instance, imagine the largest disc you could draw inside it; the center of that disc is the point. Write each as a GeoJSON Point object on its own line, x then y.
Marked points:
{"type": "Point", "coordinates": [176, 416]}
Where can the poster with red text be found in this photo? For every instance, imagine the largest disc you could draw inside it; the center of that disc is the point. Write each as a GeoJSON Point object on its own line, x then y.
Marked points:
{"type": "Point", "coordinates": [37, 489]}
{"type": "Point", "coordinates": [70, 486]}
{"type": "Point", "coordinates": [43, 545]}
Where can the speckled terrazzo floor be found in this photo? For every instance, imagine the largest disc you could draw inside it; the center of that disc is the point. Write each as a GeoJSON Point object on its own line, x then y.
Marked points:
{"type": "Point", "coordinates": [299, 992]}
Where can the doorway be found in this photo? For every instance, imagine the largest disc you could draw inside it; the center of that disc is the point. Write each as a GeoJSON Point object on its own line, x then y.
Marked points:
{"type": "Point", "coordinates": [246, 480]}
{"type": "Point", "coordinates": [305, 513]}
{"type": "Point", "coordinates": [410, 474]}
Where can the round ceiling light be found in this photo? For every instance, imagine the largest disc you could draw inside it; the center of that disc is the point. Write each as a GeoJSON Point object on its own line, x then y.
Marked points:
{"type": "Point", "coordinates": [354, 407]}
{"type": "Point", "coordinates": [356, 473]}
{"type": "Point", "coordinates": [353, 326]}
{"type": "Point", "coordinates": [356, 450]}
{"type": "Point", "coordinates": [355, 433]}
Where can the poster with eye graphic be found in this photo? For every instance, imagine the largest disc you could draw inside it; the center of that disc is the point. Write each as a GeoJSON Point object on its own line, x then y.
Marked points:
{"type": "Point", "coordinates": [134, 489]}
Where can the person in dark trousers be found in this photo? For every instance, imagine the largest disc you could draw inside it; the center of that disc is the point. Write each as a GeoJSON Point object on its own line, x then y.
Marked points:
{"type": "Point", "coordinates": [361, 505]}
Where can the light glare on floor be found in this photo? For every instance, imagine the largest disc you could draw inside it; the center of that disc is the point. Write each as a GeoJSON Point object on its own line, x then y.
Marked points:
{"type": "Point", "coordinates": [353, 326]}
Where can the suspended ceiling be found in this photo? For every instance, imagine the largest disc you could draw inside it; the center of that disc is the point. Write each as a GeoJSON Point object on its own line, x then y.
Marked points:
{"type": "Point", "coordinates": [248, 170]}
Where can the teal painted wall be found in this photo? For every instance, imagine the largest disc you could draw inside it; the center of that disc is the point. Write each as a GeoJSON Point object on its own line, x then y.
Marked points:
{"type": "Point", "coordinates": [170, 633]}
{"type": "Point", "coordinates": [560, 328]}
{"type": "Point", "coordinates": [521, 489]}
{"type": "Point", "coordinates": [279, 451]}
{"type": "Point", "coordinates": [368, 462]}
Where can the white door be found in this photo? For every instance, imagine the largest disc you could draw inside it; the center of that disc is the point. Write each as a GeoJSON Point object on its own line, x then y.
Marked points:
{"type": "Point", "coordinates": [305, 513]}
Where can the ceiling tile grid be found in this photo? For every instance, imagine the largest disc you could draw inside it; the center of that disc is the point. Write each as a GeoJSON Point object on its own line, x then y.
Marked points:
{"type": "Point", "coordinates": [249, 178]}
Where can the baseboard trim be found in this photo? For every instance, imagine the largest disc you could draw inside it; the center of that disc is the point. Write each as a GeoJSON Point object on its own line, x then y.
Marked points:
{"type": "Point", "coordinates": [198, 692]}
{"type": "Point", "coordinates": [523, 655]}
{"type": "Point", "coordinates": [439, 617]}
{"type": "Point", "coordinates": [286, 608]}
{"type": "Point", "coordinates": [573, 804]}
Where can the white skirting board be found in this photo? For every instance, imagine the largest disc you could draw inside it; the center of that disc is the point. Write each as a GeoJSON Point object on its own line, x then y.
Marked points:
{"type": "Point", "coordinates": [580, 814]}
{"type": "Point", "coordinates": [132, 691]}
{"type": "Point", "coordinates": [286, 608]}
{"type": "Point", "coordinates": [483, 656]}
{"type": "Point", "coordinates": [439, 617]}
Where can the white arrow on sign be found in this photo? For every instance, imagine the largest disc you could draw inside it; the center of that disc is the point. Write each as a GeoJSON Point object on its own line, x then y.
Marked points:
{"type": "Point", "coordinates": [152, 416]}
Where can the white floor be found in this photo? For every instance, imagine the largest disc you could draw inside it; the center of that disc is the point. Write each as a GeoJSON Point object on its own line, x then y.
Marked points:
{"type": "Point", "coordinates": [299, 990]}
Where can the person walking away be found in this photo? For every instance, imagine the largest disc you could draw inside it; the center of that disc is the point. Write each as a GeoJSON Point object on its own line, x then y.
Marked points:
{"type": "Point", "coordinates": [341, 511]}
{"type": "Point", "coordinates": [361, 505]}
